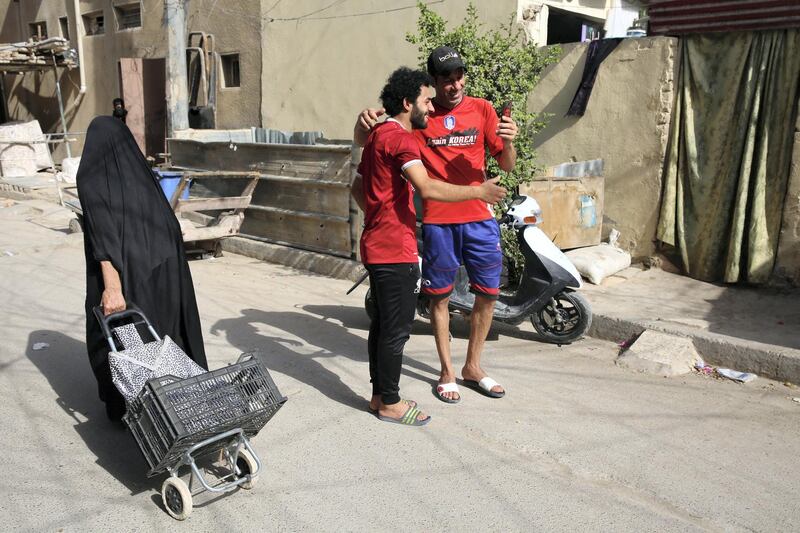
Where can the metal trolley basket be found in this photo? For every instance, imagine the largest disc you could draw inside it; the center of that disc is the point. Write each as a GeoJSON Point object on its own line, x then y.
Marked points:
{"type": "Point", "coordinates": [176, 421]}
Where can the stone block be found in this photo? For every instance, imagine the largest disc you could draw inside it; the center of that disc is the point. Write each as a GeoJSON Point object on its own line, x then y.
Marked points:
{"type": "Point", "coordinates": [661, 354]}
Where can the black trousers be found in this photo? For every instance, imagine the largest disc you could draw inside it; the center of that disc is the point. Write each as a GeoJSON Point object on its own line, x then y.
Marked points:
{"type": "Point", "coordinates": [394, 288]}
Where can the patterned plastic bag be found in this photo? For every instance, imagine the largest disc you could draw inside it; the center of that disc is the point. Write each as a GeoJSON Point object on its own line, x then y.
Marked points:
{"type": "Point", "coordinates": [139, 362]}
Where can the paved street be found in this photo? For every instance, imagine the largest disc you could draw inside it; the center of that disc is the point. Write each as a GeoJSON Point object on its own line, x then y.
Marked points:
{"type": "Point", "coordinates": [578, 444]}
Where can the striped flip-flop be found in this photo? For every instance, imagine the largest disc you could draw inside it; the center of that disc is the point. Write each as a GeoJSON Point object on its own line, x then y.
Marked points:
{"type": "Point", "coordinates": [409, 418]}
{"type": "Point", "coordinates": [412, 403]}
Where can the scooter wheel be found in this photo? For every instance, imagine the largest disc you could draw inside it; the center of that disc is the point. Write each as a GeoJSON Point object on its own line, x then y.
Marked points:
{"type": "Point", "coordinates": [564, 319]}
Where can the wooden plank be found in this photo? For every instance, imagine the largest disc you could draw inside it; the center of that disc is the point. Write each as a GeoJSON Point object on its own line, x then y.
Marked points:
{"type": "Point", "coordinates": [304, 181]}
{"type": "Point", "coordinates": [227, 226]}
{"type": "Point", "coordinates": [281, 160]}
{"type": "Point", "coordinates": [176, 195]}
{"type": "Point", "coordinates": [248, 192]}
{"type": "Point", "coordinates": [325, 198]}
{"type": "Point", "coordinates": [212, 204]}
{"type": "Point", "coordinates": [219, 174]}
{"type": "Point", "coordinates": [327, 234]}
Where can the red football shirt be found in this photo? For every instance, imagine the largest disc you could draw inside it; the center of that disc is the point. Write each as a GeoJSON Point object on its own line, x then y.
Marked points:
{"type": "Point", "coordinates": [390, 219]}
{"type": "Point", "coordinates": [452, 148]}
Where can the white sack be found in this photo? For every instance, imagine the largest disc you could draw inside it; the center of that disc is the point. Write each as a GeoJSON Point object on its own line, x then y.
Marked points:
{"type": "Point", "coordinates": [19, 156]}
{"type": "Point", "coordinates": [596, 263]}
{"type": "Point", "coordinates": [69, 168]}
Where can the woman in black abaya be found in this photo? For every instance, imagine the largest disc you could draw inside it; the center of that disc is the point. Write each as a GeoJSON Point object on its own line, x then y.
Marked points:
{"type": "Point", "coordinates": [134, 250]}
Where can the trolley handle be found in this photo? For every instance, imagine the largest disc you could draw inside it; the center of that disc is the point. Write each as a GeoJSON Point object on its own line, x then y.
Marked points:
{"type": "Point", "coordinates": [131, 311]}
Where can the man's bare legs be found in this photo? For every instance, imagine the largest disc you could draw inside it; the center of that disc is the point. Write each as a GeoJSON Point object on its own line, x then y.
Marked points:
{"type": "Point", "coordinates": [440, 320]}
{"type": "Point", "coordinates": [479, 325]}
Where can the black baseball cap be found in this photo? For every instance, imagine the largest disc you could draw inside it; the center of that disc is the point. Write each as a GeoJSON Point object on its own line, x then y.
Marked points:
{"type": "Point", "coordinates": [443, 61]}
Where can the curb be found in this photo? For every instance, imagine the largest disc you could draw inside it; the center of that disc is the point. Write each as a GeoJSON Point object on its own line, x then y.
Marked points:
{"type": "Point", "coordinates": [767, 360]}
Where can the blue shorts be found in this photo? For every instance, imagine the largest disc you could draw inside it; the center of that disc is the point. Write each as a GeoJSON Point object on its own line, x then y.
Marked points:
{"type": "Point", "coordinates": [475, 244]}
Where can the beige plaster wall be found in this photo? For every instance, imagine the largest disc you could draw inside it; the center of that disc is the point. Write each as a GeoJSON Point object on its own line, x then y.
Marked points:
{"type": "Point", "coordinates": [32, 95]}
{"type": "Point", "coordinates": [320, 72]}
{"type": "Point", "coordinates": [626, 124]}
{"type": "Point", "coordinates": [236, 26]}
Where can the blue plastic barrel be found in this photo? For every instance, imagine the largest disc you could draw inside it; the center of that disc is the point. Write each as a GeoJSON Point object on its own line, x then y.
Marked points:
{"type": "Point", "coordinates": [169, 179]}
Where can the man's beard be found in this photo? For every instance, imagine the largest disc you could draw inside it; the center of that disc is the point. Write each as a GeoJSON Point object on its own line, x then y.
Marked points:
{"type": "Point", "coordinates": [418, 120]}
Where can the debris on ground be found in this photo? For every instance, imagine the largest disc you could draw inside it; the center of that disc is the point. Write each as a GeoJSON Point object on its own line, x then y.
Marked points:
{"type": "Point", "coordinates": [704, 368]}
{"type": "Point", "coordinates": [40, 346]}
{"type": "Point", "coordinates": [707, 370]}
{"type": "Point", "coordinates": [735, 375]}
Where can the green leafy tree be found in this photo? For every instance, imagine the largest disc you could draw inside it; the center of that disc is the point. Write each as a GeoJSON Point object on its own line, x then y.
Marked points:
{"type": "Point", "coordinates": [501, 67]}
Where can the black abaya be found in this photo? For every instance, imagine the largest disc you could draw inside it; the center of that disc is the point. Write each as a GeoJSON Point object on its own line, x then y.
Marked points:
{"type": "Point", "coordinates": [129, 222]}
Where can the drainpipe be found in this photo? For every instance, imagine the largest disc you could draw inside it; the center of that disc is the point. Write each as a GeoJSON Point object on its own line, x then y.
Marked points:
{"type": "Point", "coordinates": [79, 41]}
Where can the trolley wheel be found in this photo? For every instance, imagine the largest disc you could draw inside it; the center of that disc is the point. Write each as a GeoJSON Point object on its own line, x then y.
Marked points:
{"type": "Point", "coordinates": [246, 464]}
{"type": "Point", "coordinates": [75, 225]}
{"type": "Point", "coordinates": [177, 498]}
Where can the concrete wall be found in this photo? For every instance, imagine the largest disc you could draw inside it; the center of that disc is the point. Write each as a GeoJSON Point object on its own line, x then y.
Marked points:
{"type": "Point", "coordinates": [626, 124]}
{"type": "Point", "coordinates": [319, 72]}
{"type": "Point", "coordinates": [32, 95]}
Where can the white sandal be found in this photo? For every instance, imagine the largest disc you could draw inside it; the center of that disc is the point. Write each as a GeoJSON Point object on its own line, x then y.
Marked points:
{"type": "Point", "coordinates": [447, 387]}
{"type": "Point", "coordinates": [485, 386]}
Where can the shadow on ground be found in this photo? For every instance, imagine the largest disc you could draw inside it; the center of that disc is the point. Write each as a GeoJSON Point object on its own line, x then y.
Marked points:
{"type": "Point", "coordinates": [297, 344]}
{"type": "Point", "coordinates": [66, 367]}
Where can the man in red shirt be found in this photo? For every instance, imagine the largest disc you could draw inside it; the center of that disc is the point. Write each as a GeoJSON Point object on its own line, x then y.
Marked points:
{"type": "Point", "coordinates": [390, 165]}
{"type": "Point", "coordinates": [453, 148]}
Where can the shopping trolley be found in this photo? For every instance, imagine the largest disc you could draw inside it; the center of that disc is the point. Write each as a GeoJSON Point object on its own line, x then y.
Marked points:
{"type": "Point", "coordinates": [177, 421]}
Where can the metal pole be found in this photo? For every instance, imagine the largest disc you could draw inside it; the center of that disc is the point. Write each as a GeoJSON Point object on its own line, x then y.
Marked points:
{"type": "Point", "coordinates": [61, 106]}
{"type": "Point", "coordinates": [63, 127]}
{"type": "Point", "coordinates": [177, 85]}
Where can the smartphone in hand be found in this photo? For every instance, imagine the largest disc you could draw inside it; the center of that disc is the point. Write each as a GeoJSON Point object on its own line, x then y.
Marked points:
{"type": "Point", "coordinates": [506, 110]}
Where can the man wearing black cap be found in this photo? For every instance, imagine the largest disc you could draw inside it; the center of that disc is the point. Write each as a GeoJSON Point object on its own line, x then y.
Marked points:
{"type": "Point", "coordinates": [453, 146]}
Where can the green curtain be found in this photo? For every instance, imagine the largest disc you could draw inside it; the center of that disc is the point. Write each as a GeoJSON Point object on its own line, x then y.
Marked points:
{"type": "Point", "coordinates": [729, 152]}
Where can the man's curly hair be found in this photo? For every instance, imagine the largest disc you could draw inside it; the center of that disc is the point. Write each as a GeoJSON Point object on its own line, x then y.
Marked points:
{"type": "Point", "coordinates": [404, 83]}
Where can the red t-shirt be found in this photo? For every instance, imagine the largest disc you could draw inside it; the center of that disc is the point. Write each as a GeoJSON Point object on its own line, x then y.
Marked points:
{"type": "Point", "coordinates": [390, 219]}
{"type": "Point", "coordinates": [452, 148]}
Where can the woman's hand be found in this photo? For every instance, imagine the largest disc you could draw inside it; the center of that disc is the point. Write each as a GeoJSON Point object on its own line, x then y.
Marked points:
{"type": "Point", "coordinates": [112, 301]}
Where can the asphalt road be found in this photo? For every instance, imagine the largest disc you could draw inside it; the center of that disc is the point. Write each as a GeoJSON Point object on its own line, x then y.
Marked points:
{"type": "Point", "coordinates": [578, 444]}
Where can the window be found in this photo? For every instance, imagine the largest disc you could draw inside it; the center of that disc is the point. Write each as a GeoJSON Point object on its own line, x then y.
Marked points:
{"type": "Point", "coordinates": [128, 16]}
{"type": "Point", "coordinates": [568, 27]}
{"type": "Point", "coordinates": [230, 70]}
{"type": "Point", "coordinates": [38, 30]}
{"type": "Point", "coordinates": [64, 23]}
{"type": "Point", "coordinates": [94, 23]}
